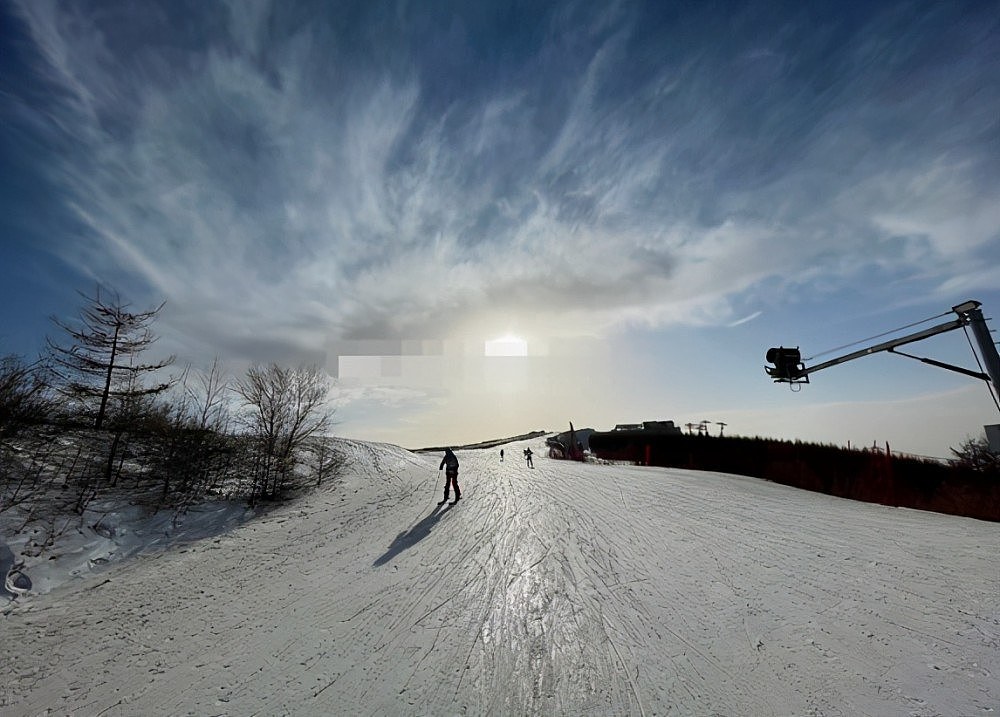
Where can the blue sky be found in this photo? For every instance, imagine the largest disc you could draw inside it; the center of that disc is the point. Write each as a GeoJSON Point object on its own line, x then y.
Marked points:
{"type": "Point", "coordinates": [647, 195]}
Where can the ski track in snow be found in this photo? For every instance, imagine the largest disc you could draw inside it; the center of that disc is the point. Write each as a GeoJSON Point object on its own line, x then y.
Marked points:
{"type": "Point", "coordinates": [568, 589]}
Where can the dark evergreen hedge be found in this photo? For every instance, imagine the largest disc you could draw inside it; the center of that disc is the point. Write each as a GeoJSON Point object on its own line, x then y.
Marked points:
{"type": "Point", "coordinates": [866, 475]}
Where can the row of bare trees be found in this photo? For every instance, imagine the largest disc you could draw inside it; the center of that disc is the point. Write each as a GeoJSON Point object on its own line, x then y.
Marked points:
{"type": "Point", "coordinates": [94, 418]}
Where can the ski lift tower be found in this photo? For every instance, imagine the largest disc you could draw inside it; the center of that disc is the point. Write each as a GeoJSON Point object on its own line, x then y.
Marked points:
{"type": "Point", "coordinates": [787, 365]}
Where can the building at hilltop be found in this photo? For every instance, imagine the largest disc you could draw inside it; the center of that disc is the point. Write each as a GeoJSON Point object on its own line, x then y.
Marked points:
{"type": "Point", "coordinates": [666, 427]}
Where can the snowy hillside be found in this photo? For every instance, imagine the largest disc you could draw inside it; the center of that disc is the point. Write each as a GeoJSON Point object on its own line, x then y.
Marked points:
{"type": "Point", "coordinates": [570, 589]}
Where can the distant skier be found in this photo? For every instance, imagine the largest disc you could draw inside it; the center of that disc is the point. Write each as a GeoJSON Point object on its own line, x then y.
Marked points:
{"type": "Point", "coordinates": [501, 455]}
{"type": "Point", "coordinates": [450, 461]}
{"type": "Point", "coordinates": [527, 457]}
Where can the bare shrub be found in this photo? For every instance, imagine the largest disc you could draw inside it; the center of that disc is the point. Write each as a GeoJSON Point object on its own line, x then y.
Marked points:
{"type": "Point", "coordinates": [22, 395]}
{"type": "Point", "coordinates": [975, 454]}
{"type": "Point", "coordinates": [284, 408]}
{"type": "Point", "coordinates": [324, 460]}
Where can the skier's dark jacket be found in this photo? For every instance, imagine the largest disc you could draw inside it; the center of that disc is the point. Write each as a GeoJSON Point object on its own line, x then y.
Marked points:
{"type": "Point", "coordinates": [450, 460]}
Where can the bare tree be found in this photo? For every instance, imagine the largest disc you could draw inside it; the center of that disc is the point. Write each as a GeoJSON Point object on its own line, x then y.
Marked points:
{"type": "Point", "coordinates": [99, 360]}
{"type": "Point", "coordinates": [209, 397]}
{"type": "Point", "coordinates": [286, 408]}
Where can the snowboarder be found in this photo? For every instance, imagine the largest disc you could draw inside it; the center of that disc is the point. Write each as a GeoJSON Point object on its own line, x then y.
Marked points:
{"type": "Point", "coordinates": [527, 457]}
{"type": "Point", "coordinates": [450, 461]}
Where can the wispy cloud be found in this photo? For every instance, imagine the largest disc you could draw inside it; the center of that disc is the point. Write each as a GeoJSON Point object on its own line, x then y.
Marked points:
{"type": "Point", "coordinates": [744, 319]}
{"type": "Point", "coordinates": [288, 173]}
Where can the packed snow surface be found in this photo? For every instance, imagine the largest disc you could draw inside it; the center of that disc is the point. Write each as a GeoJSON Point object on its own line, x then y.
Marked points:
{"type": "Point", "coordinates": [567, 589]}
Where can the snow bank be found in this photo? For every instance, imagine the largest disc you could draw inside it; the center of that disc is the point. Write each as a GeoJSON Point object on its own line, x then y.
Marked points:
{"type": "Point", "coordinates": [102, 536]}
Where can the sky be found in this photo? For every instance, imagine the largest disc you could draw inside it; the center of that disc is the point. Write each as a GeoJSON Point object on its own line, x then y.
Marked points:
{"type": "Point", "coordinates": [489, 218]}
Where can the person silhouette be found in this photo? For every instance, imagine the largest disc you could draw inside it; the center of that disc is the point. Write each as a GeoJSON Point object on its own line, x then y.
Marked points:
{"type": "Point", "coordinates": [450, 462]}
{"type": "Point", "coordinates": [527, 457]}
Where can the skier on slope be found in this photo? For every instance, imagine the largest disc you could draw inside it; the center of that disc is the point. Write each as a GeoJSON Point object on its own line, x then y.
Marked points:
{"type": "Point", "coordinates": [450, 461]}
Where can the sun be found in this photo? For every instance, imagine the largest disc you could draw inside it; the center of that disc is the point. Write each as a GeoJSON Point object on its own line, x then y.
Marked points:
{"type": "Point", "coordinates": [508, 345]}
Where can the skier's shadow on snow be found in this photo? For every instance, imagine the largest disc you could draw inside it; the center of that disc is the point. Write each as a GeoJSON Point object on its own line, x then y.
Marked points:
{"type": "Point", "coordinates": [409, 538]}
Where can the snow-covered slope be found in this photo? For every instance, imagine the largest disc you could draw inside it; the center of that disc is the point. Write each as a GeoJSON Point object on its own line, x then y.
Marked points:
{"type": "Point", "coordinates": [570, 589]}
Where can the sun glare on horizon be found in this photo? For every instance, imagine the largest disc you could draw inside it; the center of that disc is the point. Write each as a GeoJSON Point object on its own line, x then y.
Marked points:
{"type": "Point", "coordinates": [508, 345]}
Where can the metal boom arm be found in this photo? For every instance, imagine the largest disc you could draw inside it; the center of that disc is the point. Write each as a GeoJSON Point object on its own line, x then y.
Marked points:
{"type": "Point", "coordinates": [788, 366]}
{"type": "Point", "coordinates": [886, 346]}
